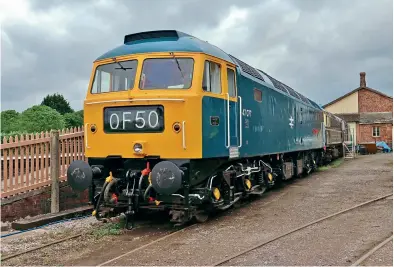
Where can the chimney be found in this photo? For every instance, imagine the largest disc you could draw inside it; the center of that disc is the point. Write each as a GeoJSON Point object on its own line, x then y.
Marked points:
{"type": "Point", "coordinates": [363, 83]}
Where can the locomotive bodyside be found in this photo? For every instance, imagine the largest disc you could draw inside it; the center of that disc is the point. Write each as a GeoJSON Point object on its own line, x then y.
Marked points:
{"type": "Point", "coordinates": [263, 121]}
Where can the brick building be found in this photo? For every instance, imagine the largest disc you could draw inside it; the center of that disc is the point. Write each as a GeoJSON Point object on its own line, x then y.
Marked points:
{"type": "Point", "coordinates": [368, 112]}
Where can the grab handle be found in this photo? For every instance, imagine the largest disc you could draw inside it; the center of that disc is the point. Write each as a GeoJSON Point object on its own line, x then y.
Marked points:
{"type": "Point", "coordinates": [183, 135]}
{"type": "Point", "coordinates": [240, 121]}
{"type": "Point", "coordinates": [85, 131]}
{"type": "Point", "coordinates": [228, 121]}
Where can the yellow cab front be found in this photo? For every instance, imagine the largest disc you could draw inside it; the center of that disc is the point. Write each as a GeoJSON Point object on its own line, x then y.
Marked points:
{"type": "Point", "coordinates": [145, 105]}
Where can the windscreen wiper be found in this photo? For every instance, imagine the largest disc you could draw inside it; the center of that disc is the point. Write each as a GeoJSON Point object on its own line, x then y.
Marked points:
{"type": "Point", "coordinates": [177, 62]}
{"type": "Point", "coordinates": [121, 67]}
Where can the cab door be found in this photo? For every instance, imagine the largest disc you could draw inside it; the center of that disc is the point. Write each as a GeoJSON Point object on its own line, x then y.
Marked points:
{"type": "Point", "coordinates": [234, 111]}
{"type": "Point", "coordinates": [220, 112]}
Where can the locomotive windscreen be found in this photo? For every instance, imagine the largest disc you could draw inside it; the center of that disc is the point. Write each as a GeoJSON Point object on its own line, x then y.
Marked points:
{"type": "Point", "coordinates": [114, 77]}
{"type": "Point", "coordinates": [167, 73]}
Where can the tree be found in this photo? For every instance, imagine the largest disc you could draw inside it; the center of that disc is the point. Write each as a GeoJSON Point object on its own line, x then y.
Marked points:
{"type": "Point", "coordinates": [9, 121]}
{"type": "Point", "coordinates": [80, 113]}
{"type": "Point", "coordinates": [41, 118]}
{"type": "Point", "coordinates": [57, 102]}
{"type": "Point", "coordinates": [73, 120]}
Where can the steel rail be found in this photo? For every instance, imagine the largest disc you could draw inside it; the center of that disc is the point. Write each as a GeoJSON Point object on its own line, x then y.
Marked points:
{"type": "Point", "coordinates": [296, 230]}
{"type": "Point", "coordinates": [372, 251]}
{"type": "Point", "coordinates": [40, 247]}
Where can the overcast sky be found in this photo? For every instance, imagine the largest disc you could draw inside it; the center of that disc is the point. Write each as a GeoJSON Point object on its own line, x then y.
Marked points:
{"type": "Point", "coordinates": [318, 47]}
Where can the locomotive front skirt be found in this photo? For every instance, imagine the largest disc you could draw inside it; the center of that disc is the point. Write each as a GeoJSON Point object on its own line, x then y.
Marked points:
{"type": "Point", "coordinates": [175, 123]}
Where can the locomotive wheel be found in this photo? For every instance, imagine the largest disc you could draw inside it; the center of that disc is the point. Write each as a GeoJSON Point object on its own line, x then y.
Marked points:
{"type": "Point", "coordinates": [202, 216]}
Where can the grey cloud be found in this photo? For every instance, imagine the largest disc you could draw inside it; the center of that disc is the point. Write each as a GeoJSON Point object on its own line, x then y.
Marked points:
{"type": "Point", "coordinates": [326, 47]}
{"type": "Point", "coordinates": [317, 47]}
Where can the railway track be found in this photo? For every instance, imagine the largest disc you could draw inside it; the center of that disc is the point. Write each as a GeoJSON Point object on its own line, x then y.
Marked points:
{"type": "Point", "coordinates": [370, 252]}
{"type": "Point", "coordinates": [218, 263]}
{"type": "Point", "coordinates": [151, 243]}
{"type": "Point", "coordinates": [297, 229]}
{"type": "Point", "coordinates": [250, 248]}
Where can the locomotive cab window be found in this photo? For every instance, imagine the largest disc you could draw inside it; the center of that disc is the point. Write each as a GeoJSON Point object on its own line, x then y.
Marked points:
{"type": "Point", "coordinates": [212, 79]}
{"type": "Point", "coordinates": [231, 83]}
{"type": "Point", "coordinates": [167, 73]}
{"type": "Point", "coordinates": [114, 77]}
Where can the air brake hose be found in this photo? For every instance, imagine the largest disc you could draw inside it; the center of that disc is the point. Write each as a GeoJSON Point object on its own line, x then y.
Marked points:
{"type": "Point", "coordinates": [147, 190]}
{"type": "Point", "coordinates": [140, 183]}
{"type": "Point", "coordinates": [106, 192]}
{"type": "Point", "coordinates": [146, 171]}
{"type": "Point", "coordinates": [96, 210]}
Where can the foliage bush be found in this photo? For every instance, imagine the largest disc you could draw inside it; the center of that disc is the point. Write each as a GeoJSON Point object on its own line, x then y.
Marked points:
{"type": "Point", "coordinates": [73, 120]}
{"type": "Point", "coordinates": [41, 118]}
{"type": "Point", "coordinates": [45, 117]}
{"type": "Point", "coordinates": [10, 121]}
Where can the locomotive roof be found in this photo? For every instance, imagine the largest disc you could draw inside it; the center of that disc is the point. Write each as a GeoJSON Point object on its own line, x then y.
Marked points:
{"type": "Point", "coordinates": [164, 41]}
{"type": "Point", "coordinates": [176, 41]}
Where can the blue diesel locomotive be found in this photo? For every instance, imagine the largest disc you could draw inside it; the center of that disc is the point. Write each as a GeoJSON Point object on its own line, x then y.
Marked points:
{"type": "Point", "coordinates": [175, 123]}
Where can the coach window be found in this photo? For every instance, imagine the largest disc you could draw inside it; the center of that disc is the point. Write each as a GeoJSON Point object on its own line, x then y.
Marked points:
{"type": "Point", "coordinates": [211, 79]}
{"type": "Point", "coordinates": [231, 83]}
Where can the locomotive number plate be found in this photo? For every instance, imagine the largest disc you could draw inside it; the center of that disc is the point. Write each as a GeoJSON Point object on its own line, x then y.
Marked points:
{"type": "Point", "coordinates": [132, 119]}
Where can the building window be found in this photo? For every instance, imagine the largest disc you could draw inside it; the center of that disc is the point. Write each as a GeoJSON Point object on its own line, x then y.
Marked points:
{"type": "Point", "coordinates": [375, 131]}
{"type": "Point", "coordinates": [211, 79]}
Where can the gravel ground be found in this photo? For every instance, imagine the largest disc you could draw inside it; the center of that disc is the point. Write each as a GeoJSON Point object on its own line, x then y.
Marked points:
{"type": "Point", "coordinates": [27, 240]}
{"type": "Point", "coordinates": [97, 236]}
{"type": "Point", "coordinates": [383, 256]}
{"type": "Point", "coordinates": [299, 202]}
{"type": "Point", "coordinates": [337, 241]}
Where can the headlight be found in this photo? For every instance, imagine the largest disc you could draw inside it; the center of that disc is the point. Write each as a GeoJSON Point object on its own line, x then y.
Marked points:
{"type": "Point", "coordinates": [137, 148]}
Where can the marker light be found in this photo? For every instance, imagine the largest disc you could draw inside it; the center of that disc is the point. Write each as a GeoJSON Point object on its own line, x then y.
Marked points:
{"type": "Point", "coordinates": [93, 128]}
{"type": "Point", "coordinates": [176, 127]}
{"type": "Point", "coordinates": [137, 148]}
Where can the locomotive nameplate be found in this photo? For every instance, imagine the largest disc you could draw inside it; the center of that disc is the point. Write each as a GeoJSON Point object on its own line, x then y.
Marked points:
{"type": "Point", "coordinates": [214, 120]}
{"type": "Point", "coordinates": [131, 119]}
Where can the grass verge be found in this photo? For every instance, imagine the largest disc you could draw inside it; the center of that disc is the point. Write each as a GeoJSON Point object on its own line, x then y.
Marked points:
{"type": "Point", "coordinates": [336, 163]}
{"type": "Point", "coordinates": [109, 228]}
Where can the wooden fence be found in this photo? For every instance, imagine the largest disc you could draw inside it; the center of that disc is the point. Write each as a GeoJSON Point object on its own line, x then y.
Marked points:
{"type": "Point", "coordinates": [25, 160]}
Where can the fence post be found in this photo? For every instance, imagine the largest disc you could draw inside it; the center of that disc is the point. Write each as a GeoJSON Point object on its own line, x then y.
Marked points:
{"type": "Point", "coordinates": [55, 171]}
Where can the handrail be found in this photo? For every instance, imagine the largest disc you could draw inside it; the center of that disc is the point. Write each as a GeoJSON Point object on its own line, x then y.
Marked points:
{"type": "Point", "coordinates": [240, 121]}
{"type": "Point", "coordinates": [183, 135]}
{"type": "Point", "coordinates": [85, 132]}
{"type": "Point", "coordinates": [228, 121]}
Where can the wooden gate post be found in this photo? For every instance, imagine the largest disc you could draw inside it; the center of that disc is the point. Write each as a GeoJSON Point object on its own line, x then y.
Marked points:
{"type": "Point", "coordinates": [55, 169]}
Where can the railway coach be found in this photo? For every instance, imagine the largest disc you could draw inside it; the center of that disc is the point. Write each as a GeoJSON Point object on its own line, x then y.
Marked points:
{"type": "Point", "coordinates": [175, 123]}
